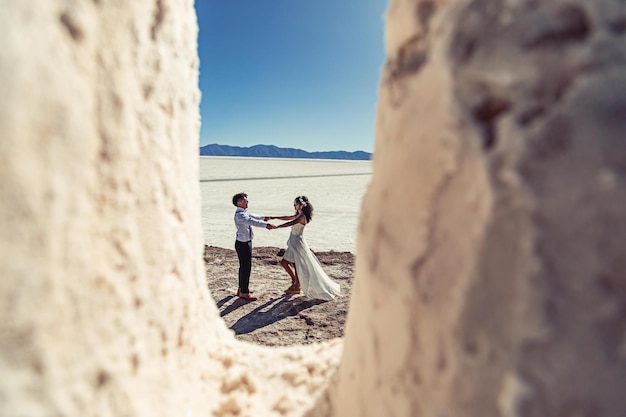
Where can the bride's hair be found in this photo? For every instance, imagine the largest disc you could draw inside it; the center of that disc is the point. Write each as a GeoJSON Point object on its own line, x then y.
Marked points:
{"type": "Point", "coordinates": [307, 207]}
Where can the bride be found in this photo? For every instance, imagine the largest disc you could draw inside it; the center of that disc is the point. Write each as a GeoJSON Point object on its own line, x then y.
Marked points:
{"type": "Point", "coordinates": [307, 274]}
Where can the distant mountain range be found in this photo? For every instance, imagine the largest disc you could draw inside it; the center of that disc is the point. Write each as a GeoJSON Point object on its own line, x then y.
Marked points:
{"type": "Point", "coordinates": [270, 151]}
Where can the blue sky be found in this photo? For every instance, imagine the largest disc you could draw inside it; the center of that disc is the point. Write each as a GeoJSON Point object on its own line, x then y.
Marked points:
{"type": "Point", "coordinates": [290, 73]}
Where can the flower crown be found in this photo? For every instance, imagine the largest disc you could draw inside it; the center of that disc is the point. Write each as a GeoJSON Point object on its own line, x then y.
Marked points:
{"type": "Point", "coordinates": [301, 201]}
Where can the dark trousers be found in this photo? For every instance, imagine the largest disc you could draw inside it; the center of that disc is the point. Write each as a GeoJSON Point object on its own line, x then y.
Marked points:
{"type": "Point", "coordinates": [244, 253]}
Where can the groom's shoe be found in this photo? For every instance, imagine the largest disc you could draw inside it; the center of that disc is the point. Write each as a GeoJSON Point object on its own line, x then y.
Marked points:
{"type": "Point", "coordinates": [239, 292]}
{"type": "Point", "coordinates": [246, 296]}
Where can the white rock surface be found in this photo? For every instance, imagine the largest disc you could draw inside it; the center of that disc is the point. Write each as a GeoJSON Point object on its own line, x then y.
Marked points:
{"type": "Point", "coordinates": [103, 303]}
{"type": "Point", "coordinates": [490, 271]}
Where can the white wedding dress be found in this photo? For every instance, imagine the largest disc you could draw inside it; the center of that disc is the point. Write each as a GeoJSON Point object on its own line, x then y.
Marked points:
{"type": "Point", "coordinates": [314, 282]}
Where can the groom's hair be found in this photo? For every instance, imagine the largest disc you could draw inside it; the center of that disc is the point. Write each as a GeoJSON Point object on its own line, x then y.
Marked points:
{"type": "Point", "coordinates": [238, 197]}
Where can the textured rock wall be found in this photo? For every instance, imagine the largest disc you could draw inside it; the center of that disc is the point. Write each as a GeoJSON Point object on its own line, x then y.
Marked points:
{"type": "Point", "coordinates": [490, 276]}
{"type": "Point", "coordinates": [103, 300]}
{"type": "Point", "coordinates": [99, 208]}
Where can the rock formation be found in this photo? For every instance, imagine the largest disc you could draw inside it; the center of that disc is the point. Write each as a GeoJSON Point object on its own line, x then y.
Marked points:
{"type": "Point", "coordinates": [490, 269]}
{"type": "Point", "coordinates": [490, 272]}
{"type": "Point", "coordinates": [104, 306]}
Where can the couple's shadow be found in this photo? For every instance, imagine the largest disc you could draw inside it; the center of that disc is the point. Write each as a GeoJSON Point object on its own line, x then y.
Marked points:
{"type": "Point", "coordinates": [270, 312]}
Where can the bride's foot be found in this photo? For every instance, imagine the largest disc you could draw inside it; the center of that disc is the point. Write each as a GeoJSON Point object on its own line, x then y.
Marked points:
{"type": "Point", "coordinates": [293, 290]}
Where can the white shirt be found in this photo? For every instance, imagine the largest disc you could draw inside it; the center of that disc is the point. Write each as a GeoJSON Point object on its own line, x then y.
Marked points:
{"type": "Point", "coordinates": [244, 221]}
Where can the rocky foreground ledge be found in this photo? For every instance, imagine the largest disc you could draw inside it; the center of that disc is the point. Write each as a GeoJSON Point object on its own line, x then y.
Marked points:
{"type": "Point", "coordinates": [277, 319]}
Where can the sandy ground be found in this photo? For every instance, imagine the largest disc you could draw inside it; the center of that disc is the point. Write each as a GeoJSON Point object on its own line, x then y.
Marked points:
{"type": "Point", "coordinates": [277, 319]}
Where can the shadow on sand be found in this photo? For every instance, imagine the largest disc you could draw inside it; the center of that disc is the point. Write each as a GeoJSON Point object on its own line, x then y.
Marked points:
{"type": "Point", "coordinates": [234, 306]}
{"type": "Point", "coordinates": [270, 312]}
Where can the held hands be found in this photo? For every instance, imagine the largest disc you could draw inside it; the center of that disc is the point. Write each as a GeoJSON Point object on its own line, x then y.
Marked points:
{"type": "Point", "coordinates": [269, 226]}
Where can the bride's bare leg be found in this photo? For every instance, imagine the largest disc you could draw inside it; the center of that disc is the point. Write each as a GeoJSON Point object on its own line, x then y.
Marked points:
{"type": "Point", "coordinates": [291, 273]}
{"type": "Point", "coordinates": [295, 283]}
{"type": "Point", "coordinates": [297, 280]}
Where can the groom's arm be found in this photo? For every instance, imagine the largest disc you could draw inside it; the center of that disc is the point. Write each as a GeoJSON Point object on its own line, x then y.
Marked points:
{"type": "Point", "coordinates": [253, 219]}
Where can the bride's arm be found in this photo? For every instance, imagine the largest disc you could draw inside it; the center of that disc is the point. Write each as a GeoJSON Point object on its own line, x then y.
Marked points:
{"type": "Point", "coordinates": [281, 217]}
{"type": "Point", "coordinates": [296, 219]}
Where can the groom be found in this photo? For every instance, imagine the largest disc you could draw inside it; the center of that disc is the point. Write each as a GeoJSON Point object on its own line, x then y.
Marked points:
{"type": "Point", "coordinates": [243, 243]}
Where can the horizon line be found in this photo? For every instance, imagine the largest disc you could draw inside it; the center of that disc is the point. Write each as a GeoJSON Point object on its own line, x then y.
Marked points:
{"type": "Point", "coordinates": [280, 147]}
